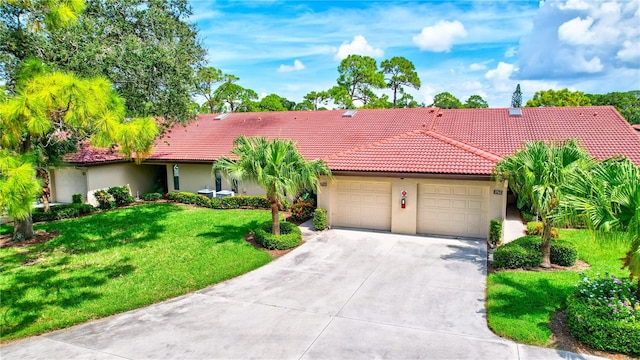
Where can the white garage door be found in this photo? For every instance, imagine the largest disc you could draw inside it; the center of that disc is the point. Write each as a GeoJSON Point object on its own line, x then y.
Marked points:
{"type": "Point", "coordinates": [453, 210]}
{"type": "Point", "coordinates": [363, 204]}
{"type": "Point", "coordinates": [69, 181]}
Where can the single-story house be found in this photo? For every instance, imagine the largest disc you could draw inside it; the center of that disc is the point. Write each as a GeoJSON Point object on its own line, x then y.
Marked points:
{"type": "Point", "coordinates": [424, 170]}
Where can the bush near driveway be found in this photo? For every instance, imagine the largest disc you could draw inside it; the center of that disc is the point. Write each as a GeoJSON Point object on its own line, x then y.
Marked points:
{"type": "Point", "coordinates": [120, 260]}
{"type": "Point", "coordinates": [525, 253]}
{"type": "Point", "coordinates": [290, 236]}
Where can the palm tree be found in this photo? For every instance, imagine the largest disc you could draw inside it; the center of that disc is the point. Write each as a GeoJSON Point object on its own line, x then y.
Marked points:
{"type": "Point", "coordinates": [276, 166]}
{"type": "Point", "coordinates": [536, 175]}
{"type": "Point", "coordinates": [608, 197]}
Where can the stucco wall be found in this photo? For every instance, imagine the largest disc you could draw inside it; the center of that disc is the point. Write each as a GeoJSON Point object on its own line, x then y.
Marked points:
{"type": "Point", "coordinates": [404, 221]}
{"type": "Point", "coordinates": [194, 177]}
{"type": "Point", "coordinates": [139, 178]}
{"type": "Point", "coordinates": [66, 181]}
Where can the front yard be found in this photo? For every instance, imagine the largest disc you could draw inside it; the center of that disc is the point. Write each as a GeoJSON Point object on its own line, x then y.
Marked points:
{"type": "Point", "coordinates": [521, 304]}
{"type": "Point", "coordinates": [121, 260]}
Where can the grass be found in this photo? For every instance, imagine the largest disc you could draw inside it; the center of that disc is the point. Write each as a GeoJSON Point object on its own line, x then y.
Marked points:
{"type": "Point", "coordinates": [520, 304]}
{"type": "Point", "coordinates": [120, 260]}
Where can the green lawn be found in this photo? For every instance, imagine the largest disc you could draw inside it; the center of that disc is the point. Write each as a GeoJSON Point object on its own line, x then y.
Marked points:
{"type": "Point", "coordinates": [120, 260]}
{"type": "Point", "coordinates": [521, 304]}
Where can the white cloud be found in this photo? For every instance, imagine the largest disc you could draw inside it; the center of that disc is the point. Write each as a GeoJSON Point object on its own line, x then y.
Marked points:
{"type": "Point", "coordinates": [511, 52]}
{"type": "Point", "coordinates": [576, 31]}
{"type": "Point", "coordinates": [500, 77]}
{"type": "Point", "coordinates": [359, 46]}
{"type": "Point", "coordinates": [440, 37]}
{"type": "Point", "coordinates": [297, 66]}
{"type": "Point", "coordinates": [427, 93]}
{"type": "Point", "coordinates": [630, 52]}
{"type": "Point", "coordinates": [477, 67]}
{"type": "Point", "coordinates": [580, 39]}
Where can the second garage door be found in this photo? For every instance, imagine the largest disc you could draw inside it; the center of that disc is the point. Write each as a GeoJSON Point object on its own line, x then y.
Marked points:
{"type": "Point", "coordinates": [363, 204]}
{"type": "Point", "coordinates": [453, 210]}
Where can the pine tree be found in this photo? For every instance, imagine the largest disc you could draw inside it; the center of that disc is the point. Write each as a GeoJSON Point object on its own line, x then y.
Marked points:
{"type": "Point", "coordinates": [516, 98]}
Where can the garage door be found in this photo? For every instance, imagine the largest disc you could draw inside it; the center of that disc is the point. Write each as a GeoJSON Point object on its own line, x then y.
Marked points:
{"type": "Point", "coordinates": [69, 181]}
{"type": "Point", "coordinates": [453, 210]}
{"type": "Point", "coordinates": [363, 204]}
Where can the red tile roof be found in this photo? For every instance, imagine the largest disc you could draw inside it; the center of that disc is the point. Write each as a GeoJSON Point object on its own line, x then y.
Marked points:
{"type": "Point", "coordinates": [424, 140]}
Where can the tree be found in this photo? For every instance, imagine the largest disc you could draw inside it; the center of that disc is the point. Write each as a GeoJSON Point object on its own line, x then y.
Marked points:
{"type": "Point", "coordinates": [273, 102]}
{"type": "Point", "coordinates": [147, 48]}
{"type": "Point", "coordinates": [317, 98]}
{"type": "Point", "coordinates": [399, 72]}
{"type": "Point", "coordinates": [340, 97]}
{"type": "Point", "coordinates": [516, 98]}
{"type": "Point", "coordinates": [379, 102]}
{"type": "Point", "coordinates": [235, 98]}
{"type": "Point", "coordinates": [627, 103]}
{"type": "Point", "coordinates": [358, 76]}
{"type": "Point", "coordinates": [476, 102]}
{"type": "Point", "coordinates": [276, 166]}
{"type": "Point", "coordinates": [50, 109]}
{"type": "Point", "coordinates": [407, 101]}
{"type": "Point", "coordinates": [607, 196]}
{"type": "Point", "coordinates": [562, 97]}
{"type": "Point", "coordinates": [537, 175]}
{"type": "Point", "coordinates": [445, 100]}
{"type": "Point", "coordinates": [206, 79]}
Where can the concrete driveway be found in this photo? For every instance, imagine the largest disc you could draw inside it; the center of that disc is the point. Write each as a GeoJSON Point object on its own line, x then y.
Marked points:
{"type": "Point", "coordinates": [345, 294]}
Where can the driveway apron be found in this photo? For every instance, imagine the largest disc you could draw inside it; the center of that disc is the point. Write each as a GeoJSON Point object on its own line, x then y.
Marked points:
{"type": "Point", "coordinates": [344, 294]}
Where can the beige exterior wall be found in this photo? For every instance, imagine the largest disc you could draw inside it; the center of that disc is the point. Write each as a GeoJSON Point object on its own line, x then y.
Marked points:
{"type": "Point", "coordinates": [195, 177]}
{"type": "Point", "coordinates": [138, 178]}
{"type": "Point", "coordinates": [404, 221]}
{"type": "Point", "coordinates": [66, 181]}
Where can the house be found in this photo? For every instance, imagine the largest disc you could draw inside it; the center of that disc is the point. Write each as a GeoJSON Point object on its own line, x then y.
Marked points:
{"type": "Point", "coordinates": [425, 170]}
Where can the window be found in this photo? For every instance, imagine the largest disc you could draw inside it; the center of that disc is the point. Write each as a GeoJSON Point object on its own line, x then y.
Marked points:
{"type": "Point", "coordinates": [218, 181]}
{"type": "Point", "coordinates": [176, 177]}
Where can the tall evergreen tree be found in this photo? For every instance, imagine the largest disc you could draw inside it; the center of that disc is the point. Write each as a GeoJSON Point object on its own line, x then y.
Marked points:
{"type": "Point", "coordinates": [516, 98]}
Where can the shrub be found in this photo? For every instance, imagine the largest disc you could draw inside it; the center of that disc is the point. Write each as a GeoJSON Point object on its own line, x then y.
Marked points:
{"type": "Point", "coordinates": [320, 219]}
{"type": "Point", "coordinates": [563, 253]}
{"type": "Point", "coordinates": [76, 198]}
{"type": "Point", "coordinates": [290, 236]}
{"type": "Point", "coordinates": [227, 202]}
{"type": "Point", "coordinates": [535, 228]}
{"type": "Point", "coordinates": [302, 210]}
{"type": "Point", "coordinates": [525, 252]}
{"type": "Point", "coordinates": [604, 313]}
{"type": "Point", "coordinates": [152, 196]}
{"type": "Point", "coordinates": [103, 198]}
{"type": "Point", "coordinates": [495, 232]}
{"type": "Point", "coordinates": [528, 216]}
{"type": "Point", "coordinates": [121, 195]}
{"type": "Point", "coordinates": [520, 253]}
{"type": "Point", "coordinates": [63, 211]}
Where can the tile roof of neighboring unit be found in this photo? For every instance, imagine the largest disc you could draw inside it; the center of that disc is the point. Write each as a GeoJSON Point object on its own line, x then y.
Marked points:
{"type": "Point", "coordinates": [431, 140]}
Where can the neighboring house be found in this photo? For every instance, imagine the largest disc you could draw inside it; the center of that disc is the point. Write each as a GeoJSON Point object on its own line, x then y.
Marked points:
{"type": "Point", "coordinates": [441, 160]}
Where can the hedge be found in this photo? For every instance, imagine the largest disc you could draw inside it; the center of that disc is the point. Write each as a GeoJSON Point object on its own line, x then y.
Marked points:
{"type": "Point", "coordinates": [525, 252]}
{"type": "Point", "coordinates": [290, 236]}
{"type": "Point", "coordinates": [152, 196]}
{"type": "Point", "coordinates": [62, 211]}
{"type": "Point", "coordinates": [227, 202]}
{"type": "Point", "coordinates": [604, 313]}
{"type": "Point", "coordinates": [320, 219]}
{"type": "Point", "coordinates": [495, 232]}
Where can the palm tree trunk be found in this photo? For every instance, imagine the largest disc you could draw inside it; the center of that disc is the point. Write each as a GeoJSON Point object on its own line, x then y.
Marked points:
{"type": "Point", "coordinates": [275, 218]}
{"type": "Point", "coordinates": [23, 229]}
{"type": "Point", "coordinates": [546, 243]}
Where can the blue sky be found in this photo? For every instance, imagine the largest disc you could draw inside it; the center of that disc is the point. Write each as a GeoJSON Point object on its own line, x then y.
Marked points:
{"type": "Point", "coordinates": [464, 47]}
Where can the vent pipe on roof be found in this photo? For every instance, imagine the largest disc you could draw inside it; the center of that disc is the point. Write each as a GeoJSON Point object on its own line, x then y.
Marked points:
{"type": "Point", "coordinates": [515, 112]}
{"type": "Point", "coordinates": [221, 116]}
{"type": "Point", "coordinates": [349, 113]}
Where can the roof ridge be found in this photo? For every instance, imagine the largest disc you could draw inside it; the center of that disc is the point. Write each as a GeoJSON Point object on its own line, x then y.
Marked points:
{"type": "Point", "coordinates": [373, 144]}
{"type": "Point", "coordinates": [472, 148]}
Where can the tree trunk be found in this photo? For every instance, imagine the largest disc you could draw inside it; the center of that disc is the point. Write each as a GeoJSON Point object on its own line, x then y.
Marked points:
{"type": "Point", "coordinates": [546, 244]}
{"type": "Point", "coordinates": [275, 218]}
{"type": "Point", "coordinates": [42, 174]}
{"type": "Point", "coordinates": [23, 230]}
